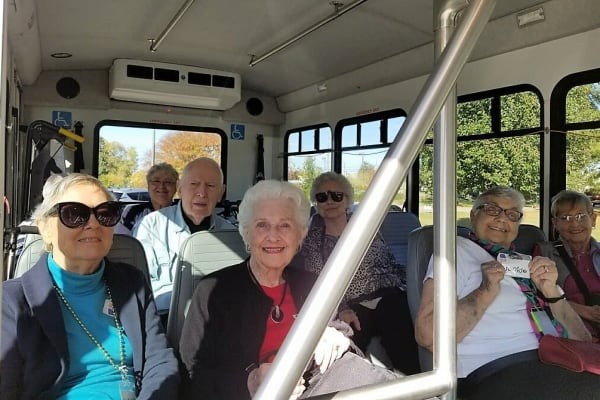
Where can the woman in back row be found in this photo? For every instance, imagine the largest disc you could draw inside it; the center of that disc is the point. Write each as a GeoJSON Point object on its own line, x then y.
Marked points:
{"type": "Point", "coordinates": [374, 304]}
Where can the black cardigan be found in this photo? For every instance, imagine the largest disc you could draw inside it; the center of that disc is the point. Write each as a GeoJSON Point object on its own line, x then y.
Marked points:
{"type": "Point", "coordinates": [224, 330]}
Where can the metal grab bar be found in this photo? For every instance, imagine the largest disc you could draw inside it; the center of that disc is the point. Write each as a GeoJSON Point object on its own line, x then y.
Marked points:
{"type": "Point", "coordinates": [333, 281]}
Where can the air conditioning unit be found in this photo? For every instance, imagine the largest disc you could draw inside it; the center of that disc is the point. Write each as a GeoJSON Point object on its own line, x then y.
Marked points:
{"type": "Point", "coordinates": [174, 85]}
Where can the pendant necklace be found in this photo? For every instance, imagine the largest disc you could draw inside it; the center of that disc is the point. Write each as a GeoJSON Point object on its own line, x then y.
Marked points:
{"type": "Point", "coordinates": [126, 388]}
{"type": "Point", "coordinates": [277, 314]}
{"type": "Point", "coordinates": [276, 311]}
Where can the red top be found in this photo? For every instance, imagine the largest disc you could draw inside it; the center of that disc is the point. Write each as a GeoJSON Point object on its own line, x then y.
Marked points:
{"type": "Point", "coordinates": [276, 332]}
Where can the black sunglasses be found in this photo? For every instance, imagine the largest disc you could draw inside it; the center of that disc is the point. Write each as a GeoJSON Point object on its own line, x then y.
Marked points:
{"type": "Point", "coordinates": [335, 196]}
{"type": "Point", "coordinates": [74, 215]}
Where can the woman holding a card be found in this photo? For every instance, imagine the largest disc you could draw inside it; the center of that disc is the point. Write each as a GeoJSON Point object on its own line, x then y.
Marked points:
{"type": "Point", "coordinates": [500, 318]}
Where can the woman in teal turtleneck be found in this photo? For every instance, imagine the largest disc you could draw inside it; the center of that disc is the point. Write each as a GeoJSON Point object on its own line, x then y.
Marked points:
{"type": "Point", "coordinates": [77, 326]}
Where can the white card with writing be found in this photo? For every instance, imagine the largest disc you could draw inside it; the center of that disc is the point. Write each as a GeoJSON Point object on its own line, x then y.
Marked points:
{"type": "Point", "coordinates": [515, 265]}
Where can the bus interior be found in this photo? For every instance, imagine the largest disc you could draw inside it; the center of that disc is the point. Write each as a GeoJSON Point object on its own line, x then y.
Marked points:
{"type": "Point", "coordinates": [366, 87]}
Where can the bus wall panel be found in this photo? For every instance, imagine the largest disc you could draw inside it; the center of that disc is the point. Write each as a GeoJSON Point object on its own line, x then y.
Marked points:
{"type": "Point", "coordinates": [241, 153]}
{"type": "Point", "coordinates": [556, 59]}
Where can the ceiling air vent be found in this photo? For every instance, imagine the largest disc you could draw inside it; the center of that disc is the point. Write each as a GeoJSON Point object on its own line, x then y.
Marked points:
{"type": "Point", "coordinates": [173, 85]}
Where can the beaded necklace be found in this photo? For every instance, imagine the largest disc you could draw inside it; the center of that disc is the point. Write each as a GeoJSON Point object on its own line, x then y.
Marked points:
{"type": "Point", "coordinates": [122, 368]}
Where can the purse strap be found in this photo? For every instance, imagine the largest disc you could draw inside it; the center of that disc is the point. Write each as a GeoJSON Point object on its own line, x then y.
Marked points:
{"type": "Point", "coordinates": [560, 247]}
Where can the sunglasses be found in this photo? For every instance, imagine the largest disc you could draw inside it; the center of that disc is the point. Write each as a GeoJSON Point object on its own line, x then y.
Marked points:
{"type": "Point", "coordinates": [335, 196]}
{"type": "Point", "coordinates": [74, 215]}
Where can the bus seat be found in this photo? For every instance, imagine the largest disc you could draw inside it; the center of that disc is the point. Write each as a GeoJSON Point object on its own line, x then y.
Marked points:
{"type": "Point", "coordinates": [127, 249]}
{"type": "Point", "coordinates": [124, 249]}
{"type": "Point", "coordinates": [33, 248]}
{"type": "Point", "coordinates": [395, 228]}
{"type": "Point", "coordinates": [528, 236]}
{"type": "Point", "coordinates": [420, 249]}
{"type": "Point", "coordinates": [200, 254]}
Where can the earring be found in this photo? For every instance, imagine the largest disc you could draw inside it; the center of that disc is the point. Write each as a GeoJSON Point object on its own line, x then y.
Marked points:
{"type": "Point", "coordinates": [248, 248]}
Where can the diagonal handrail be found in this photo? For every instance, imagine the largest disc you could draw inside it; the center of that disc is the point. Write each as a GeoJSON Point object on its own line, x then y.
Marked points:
{"type": "Point", "coordinates": [333, 281]}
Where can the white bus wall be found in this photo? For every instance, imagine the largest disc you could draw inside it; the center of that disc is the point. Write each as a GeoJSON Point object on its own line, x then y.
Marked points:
{"type": "Point", "coordinates": [542, 65]}
{"type": "Point", "coordinates": [93, 105]}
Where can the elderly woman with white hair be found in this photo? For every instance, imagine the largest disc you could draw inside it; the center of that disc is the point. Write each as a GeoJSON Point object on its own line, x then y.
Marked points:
{"type": "Point", "coordinates": [240, 315]}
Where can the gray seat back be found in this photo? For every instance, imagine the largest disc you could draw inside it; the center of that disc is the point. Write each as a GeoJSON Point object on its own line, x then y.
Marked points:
{"type": "Point", "coordinates": [420, 250]}
{"type": "Point", "coordinates": [33, 248]}
{"type": "Point", "coordinates": [395, 228]}
{"type": "Point", "coordinates": [124, 249]}
{"type": "Point", "coordinates": [528, 236]}
{"type": "Point", "coordinates": [200, 254]}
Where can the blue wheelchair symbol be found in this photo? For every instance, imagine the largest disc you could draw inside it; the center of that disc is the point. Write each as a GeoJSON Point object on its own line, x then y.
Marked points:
{"type": "Point", "coordinates": [62, 119]}
{"type": "Point", "coordinates": [238, 132]}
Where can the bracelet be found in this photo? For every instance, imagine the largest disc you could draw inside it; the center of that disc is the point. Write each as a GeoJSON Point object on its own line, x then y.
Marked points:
{"type": "Point", "coordinates": [552, 300]}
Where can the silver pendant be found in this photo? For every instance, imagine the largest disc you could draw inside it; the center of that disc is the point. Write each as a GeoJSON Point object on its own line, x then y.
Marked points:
{"type": "Point", "coordinates": [276, 314]}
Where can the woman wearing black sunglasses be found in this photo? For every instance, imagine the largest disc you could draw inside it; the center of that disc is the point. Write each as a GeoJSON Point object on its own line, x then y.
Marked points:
{"type": "Point", "coordinates": [374, 304]}
{"type": "Point", "coordinates": [77, 325]}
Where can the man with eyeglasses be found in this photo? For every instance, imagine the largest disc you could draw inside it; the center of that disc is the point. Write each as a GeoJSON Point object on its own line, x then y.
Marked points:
{"type": "Point", "coordinates": [162, 232]}
{"type": "Point", "coordinates": [576, 254]}
{"type": "Point", "coordinates": [162, 183]}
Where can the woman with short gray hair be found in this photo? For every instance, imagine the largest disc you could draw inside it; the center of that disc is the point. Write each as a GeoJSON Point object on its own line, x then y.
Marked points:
{"type": "Point", "coordinates": [577, 255]}
{"type": "Point", "coordinates": [374, 304]}
{"type": "Point", "coordinates": [77, 325]}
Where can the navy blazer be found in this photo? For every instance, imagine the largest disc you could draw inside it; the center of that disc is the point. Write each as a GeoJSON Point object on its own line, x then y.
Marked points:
{"type": "Point", "coordinates": [34, 356]}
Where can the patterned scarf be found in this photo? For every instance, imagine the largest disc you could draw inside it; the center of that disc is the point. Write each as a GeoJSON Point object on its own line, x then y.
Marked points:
{"type": "Point", "coordinates": [534, 301]}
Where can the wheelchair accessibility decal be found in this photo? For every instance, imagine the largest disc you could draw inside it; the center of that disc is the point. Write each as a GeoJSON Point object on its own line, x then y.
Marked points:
{"type": "Point", "coordinates": [238, 132]}
{"type": "Point", "coordinates": [62, 119]}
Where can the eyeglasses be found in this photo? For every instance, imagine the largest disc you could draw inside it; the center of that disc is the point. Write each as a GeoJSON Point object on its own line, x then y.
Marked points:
{"type": "Point", "coordinates": [577, 217]}
{"type": "Point", "coordinates": [335, 196]}
{"type": "Point", "coordinates": [74, 215]}
{"type": "Point", "coordinates": [493, 211]}
{"type": "Point", "coordinates": [160, 183]}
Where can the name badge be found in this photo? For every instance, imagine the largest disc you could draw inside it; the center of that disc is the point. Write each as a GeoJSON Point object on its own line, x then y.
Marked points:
{"type": "Point", "coordinates": [107, 309]}
{"type": "Point", "coordinates": [127, 390]}
{"type": "Point", "coordinates": [515, 265]}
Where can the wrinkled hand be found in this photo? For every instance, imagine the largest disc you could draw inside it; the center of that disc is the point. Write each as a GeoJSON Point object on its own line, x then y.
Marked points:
{"type": "Point", "coordinates": [256, 377]}
{"type": "Point", "coordinates": [492, 272]}
{"type": "Point", "coordinates": [591, 313]}
{"type": "Point", "coordinates": [544, 274]}
{"type": "Point", "coordinates": [350, 317]}
{"type": "Point", "coordinates": [332, 346]}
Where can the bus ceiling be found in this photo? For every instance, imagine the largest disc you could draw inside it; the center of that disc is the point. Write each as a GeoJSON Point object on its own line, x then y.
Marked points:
{"type": "Point", "coordinates": [387, 35]}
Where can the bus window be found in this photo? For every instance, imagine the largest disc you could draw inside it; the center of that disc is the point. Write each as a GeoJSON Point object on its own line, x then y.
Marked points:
{"type": "Point", "coordinates": [308, 153]}
{"type": "Point", "coordinates": [498, 143]}
{"type": "Point", "coordinates": [364, 142]}
{"type": "Point", "coordinates": [127, 150]}
{"type": "Point", "coordinates": [582, 106]}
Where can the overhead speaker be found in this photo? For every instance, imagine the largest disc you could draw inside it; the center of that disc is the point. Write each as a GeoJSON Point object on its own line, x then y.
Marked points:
{"type": "Point", "coordinates": [254, 106]}
{"type": "Point", "coordinates": [67, 87]}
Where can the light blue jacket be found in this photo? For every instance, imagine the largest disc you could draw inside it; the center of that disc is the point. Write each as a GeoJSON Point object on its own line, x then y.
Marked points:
{"type": "Point", "coordinates": [161, 233]}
